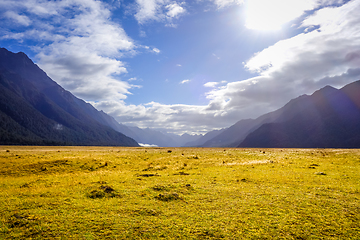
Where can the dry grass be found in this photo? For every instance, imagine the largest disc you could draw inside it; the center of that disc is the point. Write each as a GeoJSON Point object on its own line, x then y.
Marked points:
{"type": "Point", "coordinates": [178, 193]}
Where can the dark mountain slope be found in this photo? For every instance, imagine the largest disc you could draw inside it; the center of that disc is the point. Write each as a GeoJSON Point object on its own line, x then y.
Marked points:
{"type": "Point", "coordinates": [40, 112]}
{"type": "Point", "coordinates": [20, 64]}
{"type": "Point", "coordinates": [329, 118]}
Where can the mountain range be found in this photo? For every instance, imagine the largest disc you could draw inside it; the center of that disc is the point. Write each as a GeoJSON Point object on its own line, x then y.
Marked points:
{"type": "Point", "coordinates": [35, 110]}
{"type": "Point", "coordinates": [329, 118]}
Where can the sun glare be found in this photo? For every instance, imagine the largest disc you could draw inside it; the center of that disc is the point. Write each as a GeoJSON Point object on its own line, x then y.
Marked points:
{"type": "Point", "coordinates": [268, 15]}
{"type": "Point", "coordinates": [261, 15]}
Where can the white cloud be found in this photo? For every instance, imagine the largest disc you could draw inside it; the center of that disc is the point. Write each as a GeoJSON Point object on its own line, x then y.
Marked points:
{"type": "Point", "coordinates": [317, 53]}
{"type": "Point", "coordinates": [226, 3]}
{"type": "Point", "coordinates": [214, 84]}
{"type": "Point", "coordinates": [178, 65]}
{"type": "Point", "coordinates": [20, 19]}
{"type": "Point", "coordinates": [148, 10]}
{"type": "Point", "coordinates": [87, 75]}
{"type": "Point", "coordinates": [211, 84]}
{"type": "Point", "coordinates": [142, 33]}
{"type": "Point", "coordinates": [185, 81]}
{"type": "Point", "coordinates": [156, 50]}
{"type": "Point", "coordinates": [216, 56]}
{"type": "Point", "coordinates": [158, 10]}
{"type": "Point", "coordinates": [174, 10]}
{"type": "Point", "coordinates": [177, 118]}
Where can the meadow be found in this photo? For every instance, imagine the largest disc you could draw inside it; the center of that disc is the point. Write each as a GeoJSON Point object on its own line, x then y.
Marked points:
{"type": "Point", "coordinates": [178, 193]}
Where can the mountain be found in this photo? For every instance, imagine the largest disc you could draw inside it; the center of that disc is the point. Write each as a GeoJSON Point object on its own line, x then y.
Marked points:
{"type": "Point", "coordinates": [200, 142]}
{"type": "Point", "coordinates": [35, 110]}
{"type": "Point", "coordinates": [329, 118]}
{"type": "Point", "coordinates": [235, 134]}
{"type": "Point", "coordinates": [230, 137]}
{"type": "Point", "coordinates": [182, 140]}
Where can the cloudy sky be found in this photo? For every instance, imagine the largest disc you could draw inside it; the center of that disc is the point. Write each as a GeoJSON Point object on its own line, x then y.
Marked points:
{"type": "Point", "coordinates": [187, 65]}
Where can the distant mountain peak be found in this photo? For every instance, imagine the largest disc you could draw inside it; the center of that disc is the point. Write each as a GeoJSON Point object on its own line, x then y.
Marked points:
{"type": "Point", "coordinates": [23, 55]}
{"type": "Point", "coordinates": [325, 90]}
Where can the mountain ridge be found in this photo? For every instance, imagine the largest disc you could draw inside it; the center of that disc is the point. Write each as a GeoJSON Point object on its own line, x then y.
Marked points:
{"type": "Point", "coordinates": [34, 109]}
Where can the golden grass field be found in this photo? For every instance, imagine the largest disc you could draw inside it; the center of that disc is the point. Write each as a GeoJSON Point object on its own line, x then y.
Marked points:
{"type": "Point", "coordinates": [178, 193]}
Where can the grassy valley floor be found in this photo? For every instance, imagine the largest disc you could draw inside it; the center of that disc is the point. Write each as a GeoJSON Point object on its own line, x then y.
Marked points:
{"type": "Point", "coordinates": [178, 193]}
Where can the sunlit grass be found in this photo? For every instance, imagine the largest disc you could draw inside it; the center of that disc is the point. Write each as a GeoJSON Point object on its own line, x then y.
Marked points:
{"type": "Point", "coordinates": [178, 193]}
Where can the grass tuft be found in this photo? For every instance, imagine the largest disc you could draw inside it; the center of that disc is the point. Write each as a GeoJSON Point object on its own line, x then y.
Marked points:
{"type": "Point", "coordinates": [168, 197]}
{"type": "Point", "coordinates": [103, 192]}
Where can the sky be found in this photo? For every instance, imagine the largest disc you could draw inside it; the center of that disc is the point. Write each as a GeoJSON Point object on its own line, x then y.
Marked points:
{"type": "Point", "coordinates": [187, 66]}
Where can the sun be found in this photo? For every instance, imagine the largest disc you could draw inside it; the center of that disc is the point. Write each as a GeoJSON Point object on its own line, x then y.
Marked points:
{"type": "Point", "coordinates": [271, 15]}
{"type": "Point", "coordinates": [261, 15]}
{"type": "Point", "coordinates": [263, 22]}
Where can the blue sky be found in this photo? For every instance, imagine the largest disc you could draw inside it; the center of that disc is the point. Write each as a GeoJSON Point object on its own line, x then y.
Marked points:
{"type": "Point", "coordinates": [187, 66]}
